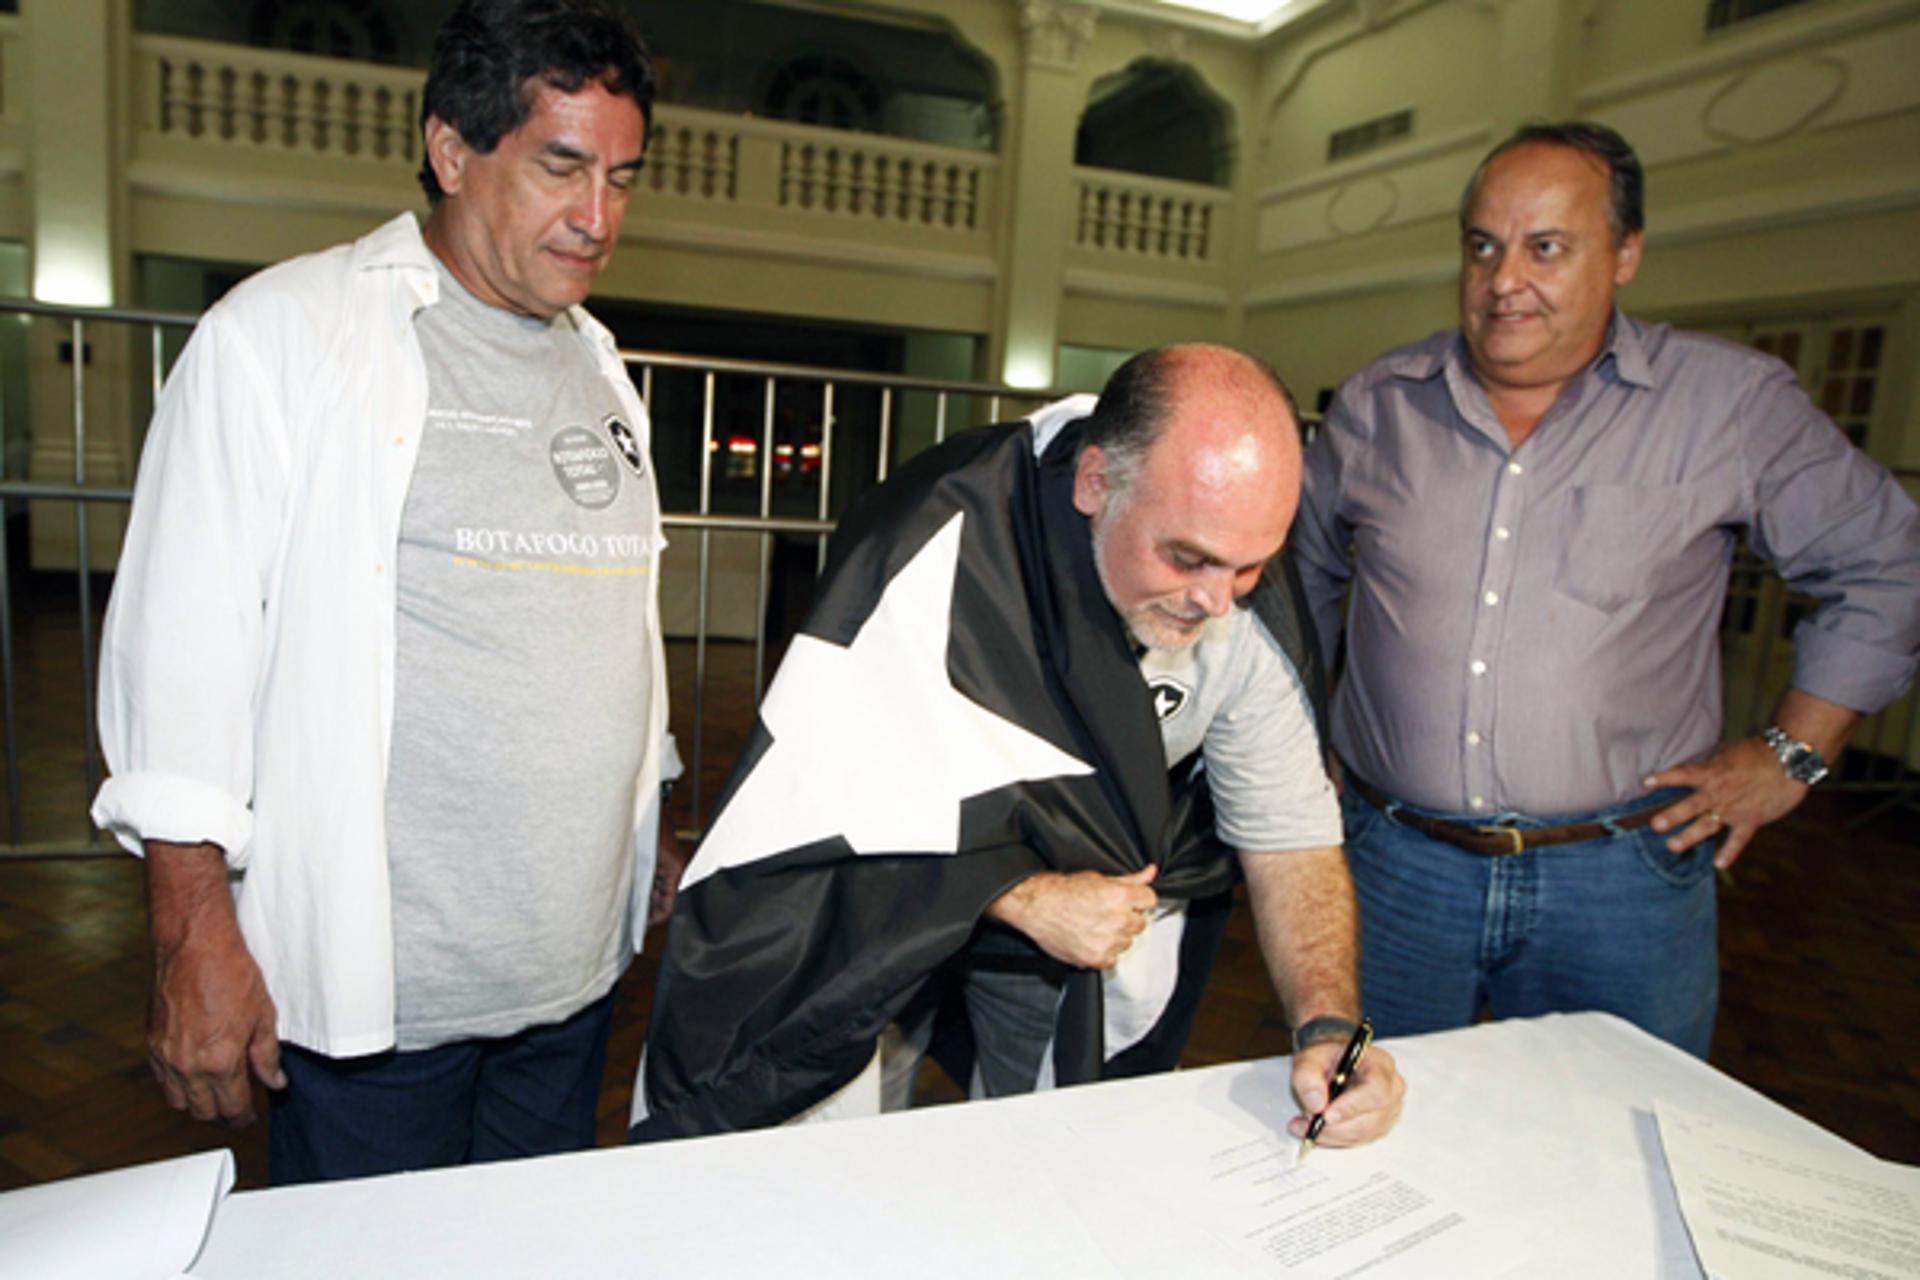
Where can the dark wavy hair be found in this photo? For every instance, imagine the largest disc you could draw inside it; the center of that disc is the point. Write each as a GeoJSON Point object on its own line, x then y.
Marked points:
{"type": "Point", "coordinates": [1627, 211]}
{"type": "Point", "coordinates": [490, 51]}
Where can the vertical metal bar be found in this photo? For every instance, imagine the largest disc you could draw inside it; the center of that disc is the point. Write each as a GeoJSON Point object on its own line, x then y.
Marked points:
{"type": "Point", "coordinates": [940, 417]}
{"type": "Point", "coordinates": [82, 557]}
{"type": "Point", "coordinates": [886, 433]}
{"type": "Point", "coordinates": [700, 608]}
{"type": "Point", "coordinates": [16, 832]}
{"type": "Point", "coordinates": [159, 377]}
{"type": "Point", "coordinates": [826, 468]}
{"type": "Point", "coordinates": [764, 570]}
{"type": "Point", "coordinates": [993, 408]}
{"type": "Point", "coordinates": [1771, 593]}
{"type": "Point", "coordinates": [1874, 739]}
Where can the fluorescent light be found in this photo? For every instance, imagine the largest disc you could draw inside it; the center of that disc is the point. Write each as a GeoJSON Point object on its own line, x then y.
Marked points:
{"type": "Point", "coordinates": [72, 269]}
{"type": "Point", "coordinates": [1240, 10]}
{"type": "Point", "coordinates": [1028, 370]}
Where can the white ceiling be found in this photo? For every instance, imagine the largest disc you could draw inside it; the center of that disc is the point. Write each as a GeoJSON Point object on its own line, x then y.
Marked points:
{"type": "Point", "coordinates": [1247, 18]}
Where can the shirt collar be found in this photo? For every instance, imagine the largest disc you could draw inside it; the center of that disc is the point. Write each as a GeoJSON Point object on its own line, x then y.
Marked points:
{"type": "Point", "coordinates": [1629, 352]}
{"type": "Point", "coordinates": [1624, 343]}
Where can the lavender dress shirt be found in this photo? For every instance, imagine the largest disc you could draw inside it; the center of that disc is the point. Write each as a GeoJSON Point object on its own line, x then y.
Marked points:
{"type": "Point", "coordinates": [1536, 628]}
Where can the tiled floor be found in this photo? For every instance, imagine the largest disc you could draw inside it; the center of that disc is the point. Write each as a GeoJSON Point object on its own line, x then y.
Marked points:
{"type": "Point", "coordinates": [1820, 951]}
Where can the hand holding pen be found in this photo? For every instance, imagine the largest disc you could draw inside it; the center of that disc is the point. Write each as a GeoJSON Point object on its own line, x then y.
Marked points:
{"type": "Point", "coordinates": [1356, 1050]}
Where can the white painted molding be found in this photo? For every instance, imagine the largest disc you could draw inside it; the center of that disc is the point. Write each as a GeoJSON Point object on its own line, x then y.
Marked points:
{"type": "Point", "coordinates": [1353, 284]}
{"type": "Point", "coordinates": [1737, 50]}
{"type": "Point", "coordinates": [1736, 214]}
{"type": "Point", "coordinates": [672, 115]}
{"type": "Point", "coordinates": [318, 195]}
{"type": "Point", "coordinates": [333, 196]}
{"type": "Point", "coordinates": [1748, 211]}
{"type": "Point", "coordinates": [1081, 282]}
{"type": "Point", "coordinates": [1386, 159]}
{"type": "Point", "coordinates": [1056, 33]}
{"type": "Point", "coordinates": [784, 247]}
{"type": "Point", "coordinates": [1116, 180]}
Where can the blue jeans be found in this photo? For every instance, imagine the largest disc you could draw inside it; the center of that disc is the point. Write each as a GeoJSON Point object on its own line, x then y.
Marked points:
{"type": "Point", "coordinates": [1617, 924]}
{"type": "Point", "coordinates": [529, 1094]}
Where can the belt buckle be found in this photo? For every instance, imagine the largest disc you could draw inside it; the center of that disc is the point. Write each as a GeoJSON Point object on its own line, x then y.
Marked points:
{"type": "Point", "coordinates": [1512, 834]}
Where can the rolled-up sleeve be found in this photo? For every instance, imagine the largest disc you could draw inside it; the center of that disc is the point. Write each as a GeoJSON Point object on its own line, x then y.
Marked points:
{"type": "Point", "coordinates": [181, 649]}
{"type": "Point", "coordinates": [1839, 528]}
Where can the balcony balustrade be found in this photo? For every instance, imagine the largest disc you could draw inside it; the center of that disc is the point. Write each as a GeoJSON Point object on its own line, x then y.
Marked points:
{"type": "Point", "coordinates": [241, 112]}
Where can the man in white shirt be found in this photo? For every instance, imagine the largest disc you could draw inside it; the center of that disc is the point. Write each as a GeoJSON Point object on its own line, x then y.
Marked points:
{"type": "Point", "coordinates": [383, 656]}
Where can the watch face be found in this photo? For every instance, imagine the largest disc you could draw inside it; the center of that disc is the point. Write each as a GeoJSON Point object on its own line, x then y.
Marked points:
{"type": "Point", "coordinates": [1804, 764]}
{"type": "Point", "coordinates": [1800, 761]}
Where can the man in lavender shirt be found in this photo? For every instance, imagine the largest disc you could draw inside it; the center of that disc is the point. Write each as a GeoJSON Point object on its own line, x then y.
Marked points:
{"type": "Point", "coordinates": [1536, 514]}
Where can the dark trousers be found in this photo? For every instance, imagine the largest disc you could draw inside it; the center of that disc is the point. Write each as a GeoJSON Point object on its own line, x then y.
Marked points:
{"type": "Point", "coordinates": [529, 1094]}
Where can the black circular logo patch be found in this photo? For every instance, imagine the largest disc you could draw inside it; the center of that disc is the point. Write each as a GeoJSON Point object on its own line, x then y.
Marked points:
{"type": "Point", "coordinates": [1169, 695]}
{"type": "Point", "coordinates": [623, 440]}
{"type": "Point", "coordinates": [585, 468]}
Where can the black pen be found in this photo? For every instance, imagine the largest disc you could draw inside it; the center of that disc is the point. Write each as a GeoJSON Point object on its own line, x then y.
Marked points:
{"type": "Point", "coordinates": [1349, 1063]}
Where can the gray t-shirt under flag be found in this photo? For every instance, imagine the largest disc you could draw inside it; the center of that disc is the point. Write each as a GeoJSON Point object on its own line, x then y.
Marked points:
{"type": "Point", "coordinates": [521, 680]}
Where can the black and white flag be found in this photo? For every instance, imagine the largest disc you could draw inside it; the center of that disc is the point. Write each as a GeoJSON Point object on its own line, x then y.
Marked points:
{"type": "Point", "coordinates": [963, 709]}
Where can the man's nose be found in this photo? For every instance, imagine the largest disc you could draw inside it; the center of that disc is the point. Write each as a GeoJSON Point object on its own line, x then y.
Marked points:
{"type": "Point", "coordinates": [1507, 275]}
{"type": "Point", "coordinates": [592, 214]}
{"type": "Point", "coordinates": [1212, 593]}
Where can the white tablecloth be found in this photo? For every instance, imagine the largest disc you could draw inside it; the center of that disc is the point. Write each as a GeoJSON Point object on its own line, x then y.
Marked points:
{"type": "Point", "coordinates": [1545, 1124]}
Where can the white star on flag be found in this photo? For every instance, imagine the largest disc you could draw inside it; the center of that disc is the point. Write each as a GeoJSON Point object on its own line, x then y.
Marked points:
{"type": "Point", "coordinates": [871, 741]}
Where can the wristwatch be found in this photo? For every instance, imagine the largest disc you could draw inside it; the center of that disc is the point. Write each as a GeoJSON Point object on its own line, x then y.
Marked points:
{"type": "Point", "coordinates": [1325, 1027]}
{"type": "Point", "coordinates": [1802, 762]}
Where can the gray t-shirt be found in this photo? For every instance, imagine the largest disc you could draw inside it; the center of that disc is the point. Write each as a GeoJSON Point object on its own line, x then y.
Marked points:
{"type": "Point", "coordinates": [521, 680]}
{"type": "Point", "coordinates": [1234, 693]}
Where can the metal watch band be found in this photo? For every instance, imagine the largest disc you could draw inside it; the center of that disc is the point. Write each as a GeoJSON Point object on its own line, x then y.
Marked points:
{"type": "Point", "coordinates": [1802, 762]}
{"type": "Point", "coordinates": [1325, 1027]}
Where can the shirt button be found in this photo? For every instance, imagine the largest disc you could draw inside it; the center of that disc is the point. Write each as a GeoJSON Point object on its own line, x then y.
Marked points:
{"type": "Point", "coordinates": [399, 442]}
{"type": "Point", "coordinates": [1492, 597]}
{"type": "Point", "coordinates": [1479, 802]}
{"type": "Point", "coordinates": [1473, 738]}
{"type": "Point", "coordinates": [1503, 533]}
{"type": "Point", "coordinates": [1514, 468]}
{"type": "Point", "coordinates": [1478, 667]}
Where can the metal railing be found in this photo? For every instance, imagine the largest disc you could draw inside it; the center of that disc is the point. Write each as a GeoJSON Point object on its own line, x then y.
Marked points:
{"type": "Point", "coordinates": [948, 405]}
{"type": "Point", "coordinates": [1756, 634]}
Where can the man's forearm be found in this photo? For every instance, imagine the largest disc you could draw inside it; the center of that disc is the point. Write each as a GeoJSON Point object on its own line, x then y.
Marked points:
{"type": "Point", "coordinates": [1820, 724]}
{"type": "Point", "coordinates": [186, 892]}
{"type": "Point", "coordinates": [1304, 912]}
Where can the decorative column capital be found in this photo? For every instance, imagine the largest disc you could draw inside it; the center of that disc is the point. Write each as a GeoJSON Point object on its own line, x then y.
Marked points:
{"type": "Point", "coordinates": [1057, 32]}
{"type": "Point", "coordinates": [1169, 44]}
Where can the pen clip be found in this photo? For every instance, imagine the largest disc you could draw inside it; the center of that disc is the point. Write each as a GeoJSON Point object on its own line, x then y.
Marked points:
{"type": "Point", "coordinates": [1350, 1060]}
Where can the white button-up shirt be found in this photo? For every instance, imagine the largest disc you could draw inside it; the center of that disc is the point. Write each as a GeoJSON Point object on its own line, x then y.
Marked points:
{"type": "Point", "coordinates": [246, 681]}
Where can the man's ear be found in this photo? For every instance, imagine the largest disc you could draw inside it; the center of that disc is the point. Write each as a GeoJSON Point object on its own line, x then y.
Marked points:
{"type": "Point", "coordinates": [447, 152]}
{"type": "Point", "coordinates": [1627, 259]}
{"type": "Point", "coordinates": [1090, 488]}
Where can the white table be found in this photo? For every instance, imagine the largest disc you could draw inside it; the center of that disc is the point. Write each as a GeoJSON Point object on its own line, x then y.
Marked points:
{"type": "Point", "coordinates": [1544, 1123]}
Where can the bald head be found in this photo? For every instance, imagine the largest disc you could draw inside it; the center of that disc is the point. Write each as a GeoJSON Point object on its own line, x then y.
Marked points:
{"type": "Point", "coordinates": [1190, 477]}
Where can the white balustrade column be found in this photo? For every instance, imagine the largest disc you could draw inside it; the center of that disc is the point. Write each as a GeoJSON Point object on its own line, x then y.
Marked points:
{"type": "Point", "coordinates": [1040, 192]}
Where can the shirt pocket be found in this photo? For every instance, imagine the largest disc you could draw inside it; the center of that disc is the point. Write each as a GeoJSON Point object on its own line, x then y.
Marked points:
{"type": "Point", "coordinates": [1623, 543]}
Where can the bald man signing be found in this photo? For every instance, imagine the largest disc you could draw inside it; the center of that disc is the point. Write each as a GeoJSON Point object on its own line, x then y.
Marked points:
{"type": "Point", "coordinates": [1150, 731]}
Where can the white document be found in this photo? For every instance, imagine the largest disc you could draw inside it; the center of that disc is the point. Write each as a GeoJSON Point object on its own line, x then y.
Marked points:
{"type": "Point", "coordinates": [1229, 1199]}
{"type": "Point", "coordinates": [143, 1223]}
{"type": "Point", "coordinates": [1760, 1209]}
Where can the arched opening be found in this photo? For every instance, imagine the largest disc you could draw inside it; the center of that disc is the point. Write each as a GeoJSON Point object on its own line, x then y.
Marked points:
{"type": "Point", "coordinates": [356, 29]}
{"type": "Point", "coordinates": [1156, 118]}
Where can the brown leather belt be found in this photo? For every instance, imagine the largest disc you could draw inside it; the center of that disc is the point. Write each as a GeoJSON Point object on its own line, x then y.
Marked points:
{"type": "Point", "coordinates": [1497, 841]}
